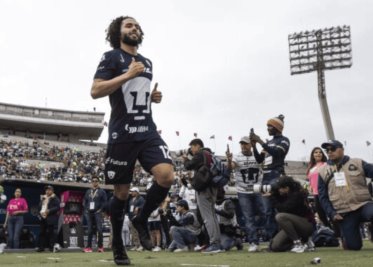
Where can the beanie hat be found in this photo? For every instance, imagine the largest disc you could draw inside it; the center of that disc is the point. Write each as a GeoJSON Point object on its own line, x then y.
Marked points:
{"type": "Point", "coordinates": [277, 122]}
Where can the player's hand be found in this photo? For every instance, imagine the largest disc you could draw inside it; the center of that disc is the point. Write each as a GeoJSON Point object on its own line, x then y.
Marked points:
{"type": "Point", "coordinates": [135, 69]}
{"type": "Point", "coordinates": [156, 95]}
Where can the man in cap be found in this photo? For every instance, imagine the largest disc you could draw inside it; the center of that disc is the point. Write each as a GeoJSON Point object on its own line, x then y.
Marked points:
{"type": "Point", "coordinates": [185, 230]}
{"type": "Point", "coordinates": [136, 203]}
{"type": "Point", "coordinates": [272, 158]}
{"type": "Point", "coordinates": [49, 207]}
{"type": "Point", "coordinates": [246, 174]}
{"type": "Point", "coordinates": [344, 193]}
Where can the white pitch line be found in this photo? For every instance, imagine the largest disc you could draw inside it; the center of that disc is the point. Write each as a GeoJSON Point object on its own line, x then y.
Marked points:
{"type": "Point", "coordinates": [207, 265]}
{"type": "Point", "coordinates": [22, 257]}
{"type": "Point", "coordinates": [108, 261]}
{"type": "Point", "coordinates": [50, 258]}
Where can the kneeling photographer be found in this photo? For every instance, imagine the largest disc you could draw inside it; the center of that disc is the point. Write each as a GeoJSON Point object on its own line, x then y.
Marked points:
{"type": "Point", "coordinates": [294, 216]}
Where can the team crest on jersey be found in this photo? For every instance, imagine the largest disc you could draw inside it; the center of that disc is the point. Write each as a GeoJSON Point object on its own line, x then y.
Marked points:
{"type": "Point", "coordinates": [111, 174]}
{"type": "Point", "coordinates": [121, 59]}
{"type": "Point", "coordinates": [114, 135]}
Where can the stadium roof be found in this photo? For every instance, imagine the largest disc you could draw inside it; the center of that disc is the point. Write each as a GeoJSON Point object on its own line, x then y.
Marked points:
{"type": "Point", "coordinates": [76, 124]}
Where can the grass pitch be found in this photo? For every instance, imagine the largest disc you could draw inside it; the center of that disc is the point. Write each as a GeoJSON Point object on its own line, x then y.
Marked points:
{"type": "Point", "coordinates": [329, 257]}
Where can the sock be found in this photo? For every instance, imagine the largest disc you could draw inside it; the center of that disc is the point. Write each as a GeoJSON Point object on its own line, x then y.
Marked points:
{"type": "Point", "coordinates": [117, 208]}
{"type": "Point", "coordinates": [154, 197]}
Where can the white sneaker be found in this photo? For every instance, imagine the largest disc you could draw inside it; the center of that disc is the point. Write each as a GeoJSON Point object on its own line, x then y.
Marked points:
{"type": "Point", "coordinates": [298, 248]}
{"type": "Point", "coordinates": [156, 249]}
{"type": "Point", "coordinates": [253, 247]}
{"type": "Point", "coordinates": [140, 248]}
{"type": "Point", "coordinates": [56, 248]}
{"type": "Point", "coordinates": [198, 248]}
{"type": "Point", "coordinates": [2, 247]}
{"type": "Point", "coordinates": [184, 249]}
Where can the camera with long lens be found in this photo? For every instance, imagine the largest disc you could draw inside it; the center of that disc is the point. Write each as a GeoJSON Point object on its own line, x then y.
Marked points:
{"type": "Point", "coordinates": [260, 188]}
{"type": "Point", "coordinates": [183, 152]}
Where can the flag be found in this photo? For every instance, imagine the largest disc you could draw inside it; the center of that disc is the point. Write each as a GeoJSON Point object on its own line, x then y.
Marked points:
{"type": "Point", "coordinates": [368, 143]}
{"type": "Point", "coordinates": [195, 134]}
{"type": "Point", "coordinates": [177, 133]}
{"type": "Point", "coordinates": [212, 136]}
{"type": "Point", "coordinates": [230, 138]}
{"type": "Point", "coordinates": [304, 141]}
{"type": "Point", "coordinates": [160, 131]}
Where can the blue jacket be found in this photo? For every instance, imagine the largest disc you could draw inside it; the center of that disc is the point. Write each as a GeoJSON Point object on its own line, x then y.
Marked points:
{"type": "Point", "coordinates": [277, 149]}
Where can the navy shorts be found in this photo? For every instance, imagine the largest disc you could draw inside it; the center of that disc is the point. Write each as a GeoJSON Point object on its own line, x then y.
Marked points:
{"type": "Point", "coordinates": [154, 225]}
{"type": "Point", "coordinates": [121, 159]}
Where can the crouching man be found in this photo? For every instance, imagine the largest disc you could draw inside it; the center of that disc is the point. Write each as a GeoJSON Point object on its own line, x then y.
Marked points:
{"type": "Point", "coordinates": [185, 230]}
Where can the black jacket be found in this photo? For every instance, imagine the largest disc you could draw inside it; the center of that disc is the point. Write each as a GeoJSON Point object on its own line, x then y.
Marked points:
{"type": "Point", "coordinates": [53, 208]}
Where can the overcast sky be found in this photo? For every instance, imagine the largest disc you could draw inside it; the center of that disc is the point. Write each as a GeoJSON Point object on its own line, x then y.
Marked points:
{"type": "Point", "coordinates": [223, 66]}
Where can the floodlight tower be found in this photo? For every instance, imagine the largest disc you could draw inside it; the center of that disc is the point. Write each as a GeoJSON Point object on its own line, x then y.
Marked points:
{"type": "Point", "coordinates": [320, 50]}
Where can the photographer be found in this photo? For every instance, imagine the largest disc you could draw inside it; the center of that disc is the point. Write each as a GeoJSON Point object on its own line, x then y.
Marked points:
{"type": "Point", "coordinates": [272, 158]}
{"type": "Point", "coordinates": [185, 229]}
{"type": "Point", "coordinates": [295, 218]}
{"type": "Point", "coordinates": [246, 174]}
{"type": "Point", "coordinates": [205, 198]}
{"type": "Point", "coordinates": [226, 213]}
{"type": "Point", "coordinates": [344, 193]}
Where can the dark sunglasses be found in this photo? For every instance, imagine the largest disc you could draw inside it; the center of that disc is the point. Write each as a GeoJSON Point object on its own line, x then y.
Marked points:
{"type": "Point", "coordinates": [330, 149]}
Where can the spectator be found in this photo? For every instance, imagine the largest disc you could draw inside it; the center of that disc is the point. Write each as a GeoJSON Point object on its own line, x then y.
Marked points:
{"type": "Point", "coordinates": [94, 202]}
{"type": "Point", "coordinates": [344, 193]}
{"type": "Point", "coordinates": [154, 222]}
{"type": "Point", "coordinates": [317, 160]}
{"type": "Point", "coordinates": [246, 173]}
{"type": "Point", "coordinates": [272, 158]}
{"type": "Point", "coordinates": [16, 208]}
{"type": "Point", "coordinates": [295, 218]}
{"type": "Point", "coordinates": [49, 207]}
{"type": "Point", "coordinates": [136, 203]}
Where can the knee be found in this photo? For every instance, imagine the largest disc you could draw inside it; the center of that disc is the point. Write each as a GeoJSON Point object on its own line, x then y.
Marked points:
{"type": "Point", "coordinates": [163, 174]}
{"type": "Point", "coordinates": [121, 191]}
{"type": "Point", "coordinates": [280, 217]}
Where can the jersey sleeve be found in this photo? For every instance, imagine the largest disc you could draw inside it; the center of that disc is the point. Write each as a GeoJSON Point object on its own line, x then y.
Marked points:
{"type": "Point", "coordinates": [107, 67]}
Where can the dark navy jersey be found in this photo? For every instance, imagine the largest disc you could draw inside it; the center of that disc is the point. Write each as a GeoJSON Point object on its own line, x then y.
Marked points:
{"type": "Point", "coordinates": [275, 151]}
{"type": "Point", "coordinates": [131, 114]}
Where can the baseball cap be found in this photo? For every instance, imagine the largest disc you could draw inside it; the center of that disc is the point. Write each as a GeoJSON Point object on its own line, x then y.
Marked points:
{"type": "Point", "coordinates": [332, 143]}
{"type": "Point", "coordinates": [135, 189]}
{"type": "Point", "coordinates": [48, 187]}
{"type": "Point", "coordinates": [182, 203]}
{"type": "Point", "coordinates": [245, 139]}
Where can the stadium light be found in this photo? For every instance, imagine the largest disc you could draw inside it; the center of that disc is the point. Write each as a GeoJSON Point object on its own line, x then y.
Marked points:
{"type": "Point", "coordinates": [319, 50]}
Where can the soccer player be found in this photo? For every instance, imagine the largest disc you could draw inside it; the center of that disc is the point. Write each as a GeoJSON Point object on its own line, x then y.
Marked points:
{"type": "Point", "coordinates": [125, 76]}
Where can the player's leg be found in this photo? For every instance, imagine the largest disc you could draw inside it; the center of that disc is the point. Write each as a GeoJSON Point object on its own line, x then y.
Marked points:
{"type": "Point", "coordinates": [154, 158]}
{"type": "Point", "coordinates": [119, 166]}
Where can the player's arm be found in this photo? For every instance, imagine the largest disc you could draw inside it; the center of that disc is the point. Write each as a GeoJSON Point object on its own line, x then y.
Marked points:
{"type": "Point", "coordinates": [102, 87]}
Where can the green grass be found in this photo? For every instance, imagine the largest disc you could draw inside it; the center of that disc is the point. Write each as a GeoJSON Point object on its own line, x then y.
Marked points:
{"type": "Point", "coordinates": [329, 257]}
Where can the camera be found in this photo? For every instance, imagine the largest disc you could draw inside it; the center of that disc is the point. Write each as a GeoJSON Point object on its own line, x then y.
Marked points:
{"type": "Point", "coordinates": [259, 188]}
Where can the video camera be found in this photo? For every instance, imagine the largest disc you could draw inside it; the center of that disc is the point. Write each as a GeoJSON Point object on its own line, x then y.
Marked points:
{"type": "Point", "coordinates": [259, 188]}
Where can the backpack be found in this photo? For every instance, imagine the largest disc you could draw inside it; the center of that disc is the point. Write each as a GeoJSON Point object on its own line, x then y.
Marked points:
{"type": "Point", "coordinates": [213, 172]}
{"type": "Point", "coordinates": [325, 237]}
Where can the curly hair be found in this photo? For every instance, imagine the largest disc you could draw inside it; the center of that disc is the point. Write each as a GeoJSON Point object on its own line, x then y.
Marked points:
{"type": "Point", "coordinates": [113, 31]}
